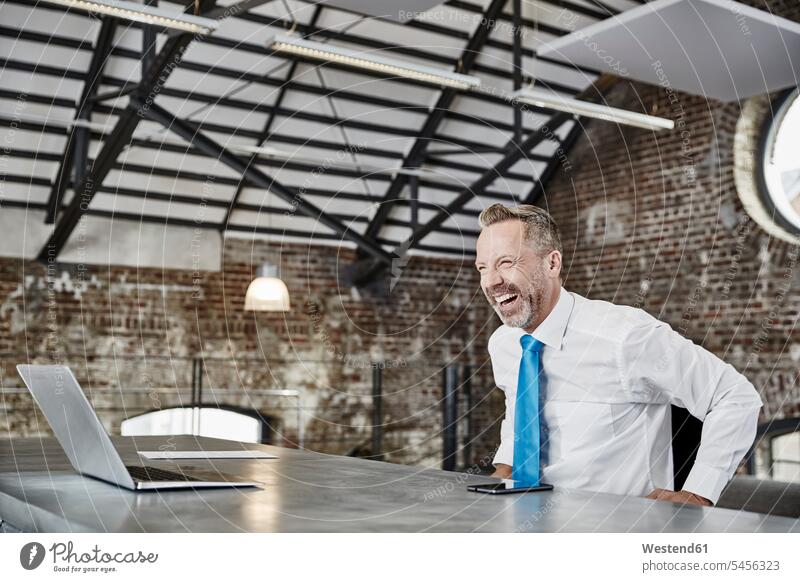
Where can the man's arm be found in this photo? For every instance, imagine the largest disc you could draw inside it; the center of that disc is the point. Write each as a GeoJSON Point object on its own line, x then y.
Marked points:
{"type": "Point", "coordinates": [504, 457]}
{"type": "Point", "coordinates": [502, 471]}
{"type": "Point", "coordinates": [659, 360]}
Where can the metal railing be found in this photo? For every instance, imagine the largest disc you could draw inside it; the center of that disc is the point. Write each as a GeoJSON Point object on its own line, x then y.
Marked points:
{"type": "Point", "coordinates": [192, 377]}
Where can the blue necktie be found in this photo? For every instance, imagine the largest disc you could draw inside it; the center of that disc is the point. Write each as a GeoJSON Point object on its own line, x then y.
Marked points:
{"type": "Point", "coordinates": [526, 415]}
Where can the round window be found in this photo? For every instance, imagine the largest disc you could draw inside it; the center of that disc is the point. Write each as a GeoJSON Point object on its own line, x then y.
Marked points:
{"type": "Point", "coordinates": [780, 162]}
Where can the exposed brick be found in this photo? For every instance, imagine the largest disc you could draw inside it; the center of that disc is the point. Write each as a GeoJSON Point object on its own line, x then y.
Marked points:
{"type": "Point", "coordinates": [640, 212]}
{"type": "Point", "coordinates": [131, 343]}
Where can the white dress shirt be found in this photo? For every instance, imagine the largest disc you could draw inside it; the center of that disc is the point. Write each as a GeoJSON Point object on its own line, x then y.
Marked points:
{"type": "Point", "coordinates": [609, 375]}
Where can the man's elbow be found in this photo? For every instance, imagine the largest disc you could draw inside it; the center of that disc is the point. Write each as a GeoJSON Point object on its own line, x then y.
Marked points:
{"type": "Point", "coordinates": [750, 394]}
{"type": "Point", "coordinates": [741, 394]}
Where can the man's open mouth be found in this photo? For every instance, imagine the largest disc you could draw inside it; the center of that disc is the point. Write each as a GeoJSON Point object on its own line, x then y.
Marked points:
{"type": "Point", "coordinates": [507, 301]}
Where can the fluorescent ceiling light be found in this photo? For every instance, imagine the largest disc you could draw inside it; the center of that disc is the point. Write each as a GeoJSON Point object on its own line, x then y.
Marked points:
{"type": "Point", "coordinates": [370, 62]}
{"type": "Point", "coordinates": [143, 13]}
{"type": "Point", "coordinates": [585, 109]}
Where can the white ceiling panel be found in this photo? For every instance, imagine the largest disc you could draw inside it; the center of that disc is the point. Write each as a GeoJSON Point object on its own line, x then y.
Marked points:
{"type": "Point", "coordinates": [278, 221]}
{"type": "Point", "coordinates": [366, 85]}
{"type": "Point", "coordinates": [25, 193]}
{"type": "Point", "coordinates": [46, 56]}
{"type": "Point", "coordinates": [396, 36]}
{"type": "Point", "coordinates": [697, 46]}
{"type": "Point", "coordinates": [24, 82]}
{"type": "Point", "coordinates": [69, 24]}
{"type": "Point", "coordinates": [129, 204]}
{"type": "Point", "coordinates": [401, 10]}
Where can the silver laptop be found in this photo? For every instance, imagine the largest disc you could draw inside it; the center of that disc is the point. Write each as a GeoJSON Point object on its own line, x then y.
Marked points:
{"type": "Point", "coordinates": [87, 444]}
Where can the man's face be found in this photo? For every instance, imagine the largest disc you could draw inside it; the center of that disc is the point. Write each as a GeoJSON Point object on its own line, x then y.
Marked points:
{"type": "Point", "coordinates": [513, 276]}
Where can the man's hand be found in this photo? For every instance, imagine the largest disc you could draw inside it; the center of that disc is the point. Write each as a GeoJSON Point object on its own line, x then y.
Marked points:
{"type": "Point", "coordinates": [502, 471]}
{"type": "Point", "coordinates": [678, 497]}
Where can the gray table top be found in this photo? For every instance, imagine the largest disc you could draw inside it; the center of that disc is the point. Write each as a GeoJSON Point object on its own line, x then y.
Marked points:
{"type": "Point", "coordinates": [311, 492]}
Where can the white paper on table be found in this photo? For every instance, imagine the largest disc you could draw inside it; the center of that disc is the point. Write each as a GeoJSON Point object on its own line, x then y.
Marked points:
{"type": "Point", "coordinates": [156, 455]}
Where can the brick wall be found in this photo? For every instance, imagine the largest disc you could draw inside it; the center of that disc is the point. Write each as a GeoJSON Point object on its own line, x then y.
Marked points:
{"type": "Point", "coordinates": [653, 220]}
{"type": "Point", "coordinates": [131, 336]}
{"type": "Point", "coordinates": [650, 220]}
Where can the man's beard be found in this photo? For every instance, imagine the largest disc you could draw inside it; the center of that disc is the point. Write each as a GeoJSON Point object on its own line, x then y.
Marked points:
{"type": "Point", "coordinates": [531, 298]}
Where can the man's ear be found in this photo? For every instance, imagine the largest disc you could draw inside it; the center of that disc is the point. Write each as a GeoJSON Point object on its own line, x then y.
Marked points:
{"type": "Point", "coordinates": [554, 263]}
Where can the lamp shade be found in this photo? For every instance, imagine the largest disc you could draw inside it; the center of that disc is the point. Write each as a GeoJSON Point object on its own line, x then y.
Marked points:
{"type": "Point", "coordinates": [267, 292]}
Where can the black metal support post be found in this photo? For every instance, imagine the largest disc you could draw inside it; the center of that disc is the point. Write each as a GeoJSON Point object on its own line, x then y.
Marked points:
{"type": "Point", "coordinates": [76, 151]}
{"type": "Point", "coordinates": [148, 42]}
{"type": "Point", "coordinates": [266, 132]}
{"type": "Point", "coordinates": [197, 382]}
{"type": "Point", "coordinates": [416, 154]}
{"type": "Point", "coordinates": [377, 413]}
{"type": "Point", "coordinates": [466, 387]}
{"type": "Point", "coordinates": [449, 417]}
{"type": "Point", "coordinates": [413, 196]}
{"type": "Point", "coordinates": [517, 65]}
{"type": "Point", "coordinates": [127, 121]}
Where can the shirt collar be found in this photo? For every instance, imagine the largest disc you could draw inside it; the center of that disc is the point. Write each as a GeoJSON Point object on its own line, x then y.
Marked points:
{"type": "Point", "coordinates": [551, 331]}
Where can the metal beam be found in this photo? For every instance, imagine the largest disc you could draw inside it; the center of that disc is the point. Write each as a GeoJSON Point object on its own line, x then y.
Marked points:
{"type": "Point", "coordinates": [255, 176]}
{"type": "Point", "coordinates": [77, 146]}
{"type": "Point", "coordinates": [513, 155]}
{"type": "Point", "coordinates": [514, 152]}
{"type": "Point", "coordinates": [342, 94]}
{"type": "Point", "coordinates": [431, 27]}
{"type": "Point", "coordinates": [461, 152]}
{"type": "Point", "coordinates": [299, 114]}
{"type": "Point", "coordinates": [324, 119]}
{"type": "Point", "coordinates": [148, 42]}
{"type": "Point", "coordinates": [516, 66]}
{"type": "Point", "coordinates": [413, 201]}
{"type": "Point", "coordinates": [266, 131]}
{"type": "Point", "coordinates": [555, 162]}
{"type": "Point", "coordinates": [217, 70]}
{"type": "Point", "coordinates": [187, 149]}
{"type": "Point", "coordinates": [166, 61]}
{"type": "Point", "coordinates": [155, 196]}
{"type": "Point", "coordinates": [366, 41]}
{"type": "Point", "coordinates": [85, 192]}
{"type": "Point", "coordinates": [377, 44]}
{"type": "Point", "coordinates": [282, 138]}
{"type": "Point", "coordinates": [415, 155]}
{"type": "Point", "coordinates": [246, 228]}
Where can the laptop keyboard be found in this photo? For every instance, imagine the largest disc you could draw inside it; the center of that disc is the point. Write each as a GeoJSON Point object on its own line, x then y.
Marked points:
{"type": "Point", "coordinates": [153, 474]}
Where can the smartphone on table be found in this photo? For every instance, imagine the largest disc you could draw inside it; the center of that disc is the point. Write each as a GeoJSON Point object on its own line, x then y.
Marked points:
{"type": "Point", "coordinates": [508, 486]}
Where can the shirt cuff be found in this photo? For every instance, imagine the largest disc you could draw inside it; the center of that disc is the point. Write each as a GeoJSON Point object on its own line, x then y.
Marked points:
{"type": "Point", "coordinates": [706, 481]}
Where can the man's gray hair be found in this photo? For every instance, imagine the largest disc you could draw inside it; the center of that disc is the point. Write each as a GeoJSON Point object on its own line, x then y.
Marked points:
{"type": "Point", "coordinates": [539, 225]}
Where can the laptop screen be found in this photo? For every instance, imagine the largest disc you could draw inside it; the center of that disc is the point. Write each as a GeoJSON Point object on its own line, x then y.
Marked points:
{"type": "Point", "coordinates": [74, 422]}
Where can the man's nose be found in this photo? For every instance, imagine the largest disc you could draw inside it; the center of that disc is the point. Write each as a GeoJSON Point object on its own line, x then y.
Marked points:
{"type": "Point", "coordinates": [491, 278]}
